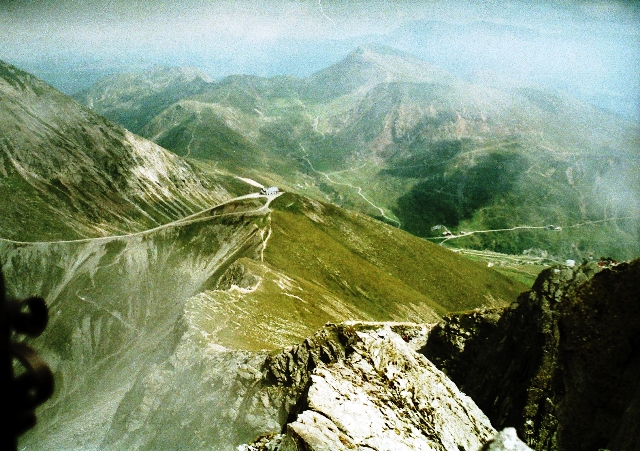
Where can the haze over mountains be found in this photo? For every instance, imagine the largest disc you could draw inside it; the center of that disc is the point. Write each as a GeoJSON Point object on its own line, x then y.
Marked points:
{"type": "Point", "coordinates": [405, 141]}
{"type": "Point", "coordinates": [188, 310]}
{"type": "Point", "coordinates": [148, 260]}
{"type": "Point", "coordinates": [587, 49]}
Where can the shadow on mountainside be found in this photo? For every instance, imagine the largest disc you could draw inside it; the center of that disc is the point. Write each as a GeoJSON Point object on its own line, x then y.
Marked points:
{"type": "Point", "coordinates": [451, 196]}
{"type": "Point", "coordinates": [561, 365]}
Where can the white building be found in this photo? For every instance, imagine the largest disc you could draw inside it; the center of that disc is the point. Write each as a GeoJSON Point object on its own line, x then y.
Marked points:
{"type": "Point", "coordinates": [271, 191]}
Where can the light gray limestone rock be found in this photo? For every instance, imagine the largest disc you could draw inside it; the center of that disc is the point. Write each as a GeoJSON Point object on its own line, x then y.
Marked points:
{"type": "Point", "coordinates": [506, 440]}
{"type": "Point", "coordinates": [382, 396]}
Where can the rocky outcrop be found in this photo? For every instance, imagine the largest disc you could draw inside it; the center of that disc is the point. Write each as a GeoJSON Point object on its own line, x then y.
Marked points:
{"type": "Point", "coordinates": [292, 367]}
{"type": "Point", "coordinates": [506, 440]}
{"type": "Point", "coordinates": [561, 365]}
{"type": "Point", "coordinates": [363, 386]}
{"type": "Point", "coordinates": [239, 275]}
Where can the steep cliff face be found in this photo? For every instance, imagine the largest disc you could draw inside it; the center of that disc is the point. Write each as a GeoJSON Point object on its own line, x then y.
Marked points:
{"type": "Point", "coordinates": [562, 365]}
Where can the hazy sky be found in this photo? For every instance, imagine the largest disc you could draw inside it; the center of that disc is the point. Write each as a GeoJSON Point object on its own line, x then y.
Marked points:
{"type": "Point", "coordinates": [31, 27]}
{"type": "Point", "coordinates": [591, 48]}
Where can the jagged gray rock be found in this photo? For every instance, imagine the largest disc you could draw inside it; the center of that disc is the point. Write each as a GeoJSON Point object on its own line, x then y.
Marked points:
{"type": "Point", "coordinates": [379, 395]}
{"type": "Point", "coordinates": [561, 365]}
{"type": "Point", "coordinates": [292, 366]}
{"type": "Point", "coordinates": [239, 275]}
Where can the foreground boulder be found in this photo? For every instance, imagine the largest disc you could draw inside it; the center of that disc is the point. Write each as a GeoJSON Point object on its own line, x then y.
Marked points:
{"type": "Point", "coordinates": [372, 392]}
{"type": "Point", "coordinates": [561, 365]}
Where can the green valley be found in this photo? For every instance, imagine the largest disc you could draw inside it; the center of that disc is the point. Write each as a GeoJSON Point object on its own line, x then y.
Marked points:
{"type": "Point", "coordinates": [401, 140]}
{"type": "Point", "coordinates": [321, 225]}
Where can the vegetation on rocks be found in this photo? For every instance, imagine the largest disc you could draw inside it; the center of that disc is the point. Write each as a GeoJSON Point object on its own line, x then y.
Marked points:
{"type": "Point", "coordinates": [176, 296]}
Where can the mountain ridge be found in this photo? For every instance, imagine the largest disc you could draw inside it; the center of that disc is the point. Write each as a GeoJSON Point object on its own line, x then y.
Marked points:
{"type": "Point", "coordinates": [378, 132]}
{"type": "Point", "coordinates": [168, 318]}
{"type": "Point", "coordinates": [86, 166]}
{"type": "Point", "coordinates": [194, 302]}
{"type": "Point", "coordinates": [166, 83]}
{"type": "Point", "coordinates": [366, 67]}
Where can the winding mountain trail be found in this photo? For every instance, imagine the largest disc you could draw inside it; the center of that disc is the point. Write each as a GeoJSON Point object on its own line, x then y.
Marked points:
{"type": "Point", "coordinates": [250, 182]}
{"type": "Point", "coordinates": [464, 154]}
{"type": "Point", "coordinates": [581, 224]}
{"type": "Point", "coordinates": [357, 188]}
{"type": "Point", "coordinates": [265, 240]}
{"type": "Point", "coordinates": [191, 219]}
{"type": "Point", "coordinates": [357, 168]}
{"type": "Point", "coordinates": [452, 237]}
{"type": "Point", "coordinates": [315, 120]}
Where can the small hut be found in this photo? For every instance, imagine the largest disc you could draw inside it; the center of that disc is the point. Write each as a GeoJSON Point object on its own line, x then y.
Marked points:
{"type": "Point", "coordinates": [271, 191]}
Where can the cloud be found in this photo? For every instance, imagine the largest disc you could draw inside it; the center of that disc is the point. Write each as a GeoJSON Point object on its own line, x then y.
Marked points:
{"type": "Point", "coordinates": [594, 44]}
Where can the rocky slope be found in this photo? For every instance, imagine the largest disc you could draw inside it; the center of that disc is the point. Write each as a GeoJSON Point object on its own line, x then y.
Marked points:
{"type": "Point", "coordinates": [169, 326]}
{"type": "Point", "coordinates": [158, 337]}
{"type": "Point", "coordinates": [69, 173]}
{"type": "Point", "coordinates": [162, 305]}
{"type": "Point", "coordinates": [118, 308]}
{"type": "Point", "coordinates": [363, 386]}
{"type": "Point", "coordinates": [561, 365]}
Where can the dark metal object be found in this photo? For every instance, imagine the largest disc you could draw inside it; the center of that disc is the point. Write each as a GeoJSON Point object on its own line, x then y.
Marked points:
{"type": "Point", "coordinates": [24, 389]}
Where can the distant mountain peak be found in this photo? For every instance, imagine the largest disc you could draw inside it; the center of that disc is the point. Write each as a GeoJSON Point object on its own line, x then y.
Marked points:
{"type": "Point", "coordinates": [381, 50]}
{"type": "Point", "coordinates": [383, 57]}
{"type": "Point", "coordinates": [370, 65]}
{"type": "Point", "coordinates": [159, 77]}
{"type": "Point", "coordinates": [185, 74]}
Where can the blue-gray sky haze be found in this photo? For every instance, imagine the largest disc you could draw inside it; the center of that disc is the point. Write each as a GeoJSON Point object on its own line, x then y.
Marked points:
{"type": "Point", "coordinates": [590, 49]}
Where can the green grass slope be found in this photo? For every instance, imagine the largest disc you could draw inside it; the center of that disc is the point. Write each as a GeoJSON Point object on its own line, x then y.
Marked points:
{"type": "Point", "coordinates": [174, 287]}
{"type": "Point", "coordinates": [200, 292]}
{"type": "Point", "coordinates": [134, 99]}
{"type": "Point", "coordinates": [378, 255]}
{"type": "Point", "coordinates": [117, 307]}
{"type": "Point", "coordinates": [320, 263]}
